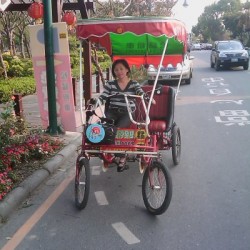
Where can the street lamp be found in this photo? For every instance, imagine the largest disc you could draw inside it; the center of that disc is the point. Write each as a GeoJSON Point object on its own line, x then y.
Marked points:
{"type": "Point", "coordinates": [185, 4]}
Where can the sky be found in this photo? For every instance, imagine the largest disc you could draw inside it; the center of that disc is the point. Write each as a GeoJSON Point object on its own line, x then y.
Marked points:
{"type": "Point", "coordinates": [189, 15]}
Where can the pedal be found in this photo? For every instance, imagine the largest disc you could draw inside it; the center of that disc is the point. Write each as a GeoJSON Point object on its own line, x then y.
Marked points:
{"type": "Point", "coordinates": [121, 169]}
{"type": "Point", "coordinates": [131, 159]}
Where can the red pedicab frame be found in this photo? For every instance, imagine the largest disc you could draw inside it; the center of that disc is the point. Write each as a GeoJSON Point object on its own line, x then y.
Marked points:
{"type": "Point", "coordinates": [140, 41]}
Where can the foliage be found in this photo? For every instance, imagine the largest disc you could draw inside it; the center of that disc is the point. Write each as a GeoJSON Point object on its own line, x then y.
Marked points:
{"type": "Point", "coordinates": [17, 67]}
{"type": "Point", "coordinates": [139, 75]}
{"type": "Point", "coordinates": [14, 29]}
{"type": "Point", "coordinates": [74, 46]}
{"type": "Point", "coordinates": [7, 66]}
{"type": "Point", "coordinates": [24, 86]}
{"type": "Point", "coordinates": [225, 19]}
{"type": "Point", "coordinates": [116, 8]}
{"type": "Point", "coordinates": [19, 145]}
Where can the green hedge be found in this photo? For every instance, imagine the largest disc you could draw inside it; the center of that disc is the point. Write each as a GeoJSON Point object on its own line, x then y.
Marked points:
{"type": "Point", "coordinates": [17, 85]}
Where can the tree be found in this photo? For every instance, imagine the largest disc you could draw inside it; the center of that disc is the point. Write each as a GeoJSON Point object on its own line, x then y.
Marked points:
{"type": "Point", "coordinates": [220, 21]}
{"type": "Point", "coordinates": [244, 22]}
{"type": "Point", "coordinates": [115, 8]}
{"type": "Point", "coordinates": [9, 23]}
{"type": "Point", "coordinates": [209, 24]}
{"type": "Point", "coordinates": [1, 59]}
{"type": "Point", "coordinates": [21, 33]}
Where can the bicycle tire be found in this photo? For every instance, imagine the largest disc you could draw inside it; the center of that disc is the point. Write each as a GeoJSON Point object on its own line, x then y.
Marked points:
{"type": "Point", "coordinates": [157, 183]}
{"type": "Point", "coordinates": [176, 144]}
{"type": "Point", "coordinates": [82, 183]}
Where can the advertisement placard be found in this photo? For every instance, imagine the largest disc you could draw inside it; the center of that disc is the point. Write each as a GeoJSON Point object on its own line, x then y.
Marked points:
{"type": "Point", "coordinates": [66, 114]}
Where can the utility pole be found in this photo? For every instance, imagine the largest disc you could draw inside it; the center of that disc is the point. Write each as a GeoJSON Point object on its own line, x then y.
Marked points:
{"type": "Point", "coordinates": [50, 68]}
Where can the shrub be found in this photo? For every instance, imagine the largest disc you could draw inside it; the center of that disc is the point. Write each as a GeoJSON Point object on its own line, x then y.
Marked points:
{"type": "Point", "coordinates": [19, 145]}
{"type": "Point", "coordinates": [7, 66]}
{"type": "Point", "coordinates": [15, 70]}
{"type": "Point", "coordinates": [17, 67]}
{"type": "Point", "coordinates": [22, 85]}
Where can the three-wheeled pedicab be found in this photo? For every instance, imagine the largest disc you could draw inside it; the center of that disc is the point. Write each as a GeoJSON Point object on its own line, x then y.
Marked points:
{"type": "Point", "coordinates": [141, 41]}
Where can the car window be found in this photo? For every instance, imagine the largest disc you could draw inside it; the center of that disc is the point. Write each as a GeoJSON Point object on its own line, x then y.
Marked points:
{"type": "Point", "coordinates": [233, 45]}
{"type": "Point", "coordinates": [236, 45]}
{"type": "Point", "coordinates": [223, 46]}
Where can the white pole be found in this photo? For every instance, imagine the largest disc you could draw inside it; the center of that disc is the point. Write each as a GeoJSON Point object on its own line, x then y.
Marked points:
{"type": "Point", "coordinates": [81, 84]}
{"type": "Point", "coordinates": [156, 79]}
{"type": "Point", "coordinates": [179, 83]}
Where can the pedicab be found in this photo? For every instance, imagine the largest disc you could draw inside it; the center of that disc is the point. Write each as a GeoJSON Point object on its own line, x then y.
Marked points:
{"type": "Point", "coordinates": [141, 41]}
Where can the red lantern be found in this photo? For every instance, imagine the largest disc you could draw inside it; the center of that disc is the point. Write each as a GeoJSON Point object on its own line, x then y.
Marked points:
{"type": "Point", "coordinates": [70, 18]}
{"type": "Point", "coordinates": [35, 11]}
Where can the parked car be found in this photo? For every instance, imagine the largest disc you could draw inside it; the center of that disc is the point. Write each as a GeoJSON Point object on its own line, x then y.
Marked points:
{"type": "Point", "coordinates": [171, 73]}
{"type": "Point", "coordinates": [196, 46]}
{"type": "Point", "coordinates": [209, 46]}
{"type": "Point", "coordinates": [229, 54]}
{"type": "Point", "coordinates": [206, 46]}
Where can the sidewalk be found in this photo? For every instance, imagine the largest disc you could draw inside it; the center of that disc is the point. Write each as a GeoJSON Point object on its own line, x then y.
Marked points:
{"type": "Point", "coordinates": [71, 140]}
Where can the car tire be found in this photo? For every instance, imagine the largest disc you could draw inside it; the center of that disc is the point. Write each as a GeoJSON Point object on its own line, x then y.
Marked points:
{"type": "Point", "coordinates": [246, 66]}
{"type": "Point", "coordinates": [188, 81]}
{"type": "Point", "coordinates": [217, 66]}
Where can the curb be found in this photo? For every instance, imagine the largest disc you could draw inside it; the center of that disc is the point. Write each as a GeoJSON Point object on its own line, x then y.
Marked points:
{"type": "Point", "coordinates": [20, 193]}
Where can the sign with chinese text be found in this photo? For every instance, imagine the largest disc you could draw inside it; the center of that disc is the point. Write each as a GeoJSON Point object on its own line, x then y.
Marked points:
{"type": "Point", "coordinates": [64, 90]}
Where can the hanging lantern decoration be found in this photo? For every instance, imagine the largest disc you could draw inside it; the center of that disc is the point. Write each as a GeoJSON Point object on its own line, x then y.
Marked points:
{"type": "Point", "coordinates": [70, 18]}
{"type": "Point", "coordinates": [35, 11]}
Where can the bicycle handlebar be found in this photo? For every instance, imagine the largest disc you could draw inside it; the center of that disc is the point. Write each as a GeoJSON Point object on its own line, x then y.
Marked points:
{"type": "Point", "coordinates": [94, 104]}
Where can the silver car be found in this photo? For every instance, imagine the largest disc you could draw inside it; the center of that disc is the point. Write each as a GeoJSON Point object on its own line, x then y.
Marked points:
{"type": "Point", "coordinates": [173, 73]}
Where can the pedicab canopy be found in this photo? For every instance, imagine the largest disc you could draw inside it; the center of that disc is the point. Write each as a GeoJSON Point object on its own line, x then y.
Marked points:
{"type": "Point", "coordinates": [139, 40]}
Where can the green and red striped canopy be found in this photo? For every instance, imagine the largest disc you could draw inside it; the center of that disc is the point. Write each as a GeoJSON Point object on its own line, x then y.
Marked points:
{"type": "Point", "coordinates": [138, 40]}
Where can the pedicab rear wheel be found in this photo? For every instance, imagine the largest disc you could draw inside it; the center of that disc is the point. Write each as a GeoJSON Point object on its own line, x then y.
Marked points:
{"type": "Point", "coordinates": [176, 144]}
{"type": "Point", "coordinates": [82, 183]}
{"type": "Point", "coordinates": [156, 188]}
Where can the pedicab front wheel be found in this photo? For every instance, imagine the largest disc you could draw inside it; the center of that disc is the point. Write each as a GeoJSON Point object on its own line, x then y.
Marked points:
{"type": "Point", "coordinates": [82, 183]}
{"type": "Point", "coordinates": [156, 188]}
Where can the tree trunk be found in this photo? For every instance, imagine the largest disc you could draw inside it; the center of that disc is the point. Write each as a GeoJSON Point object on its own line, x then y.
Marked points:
{"type": "Point", "coordinates": [3, 65]}
{"type": "Point", "coordinates": [97, 65]}
{"type": "Point", "coordinates": [26, 42]}
{"type": "Point", "coordinates": [1, 58]}
{"type": "Point", "coordinates": [22, 46]}
{"type": "Point", "coordinates": [13, 46]}
{"type": "Point", "coordinates": [10, 41]}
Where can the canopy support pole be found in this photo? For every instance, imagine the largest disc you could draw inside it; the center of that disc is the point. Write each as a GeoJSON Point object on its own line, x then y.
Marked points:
{"type": "Point", "coordinates": [87, 70]}
{"type": "Point", "coordinates": [81, 84]}
{"type": "Point", "coordinates": [179, 83]}
{"type": "Point", "coordinates": [155, 82]}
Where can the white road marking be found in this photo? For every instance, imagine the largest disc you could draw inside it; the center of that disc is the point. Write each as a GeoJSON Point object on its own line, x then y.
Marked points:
{"type": "Point", "coordinates": [125, 233]}
{"type": "Point", "coordinates": [101, 198]}
{"type": "Point", "coordinates": [96, 170]}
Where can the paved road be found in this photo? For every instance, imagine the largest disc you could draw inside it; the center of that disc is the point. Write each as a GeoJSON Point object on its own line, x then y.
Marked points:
{"type": "Point", "coordinates": [210, 205]}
